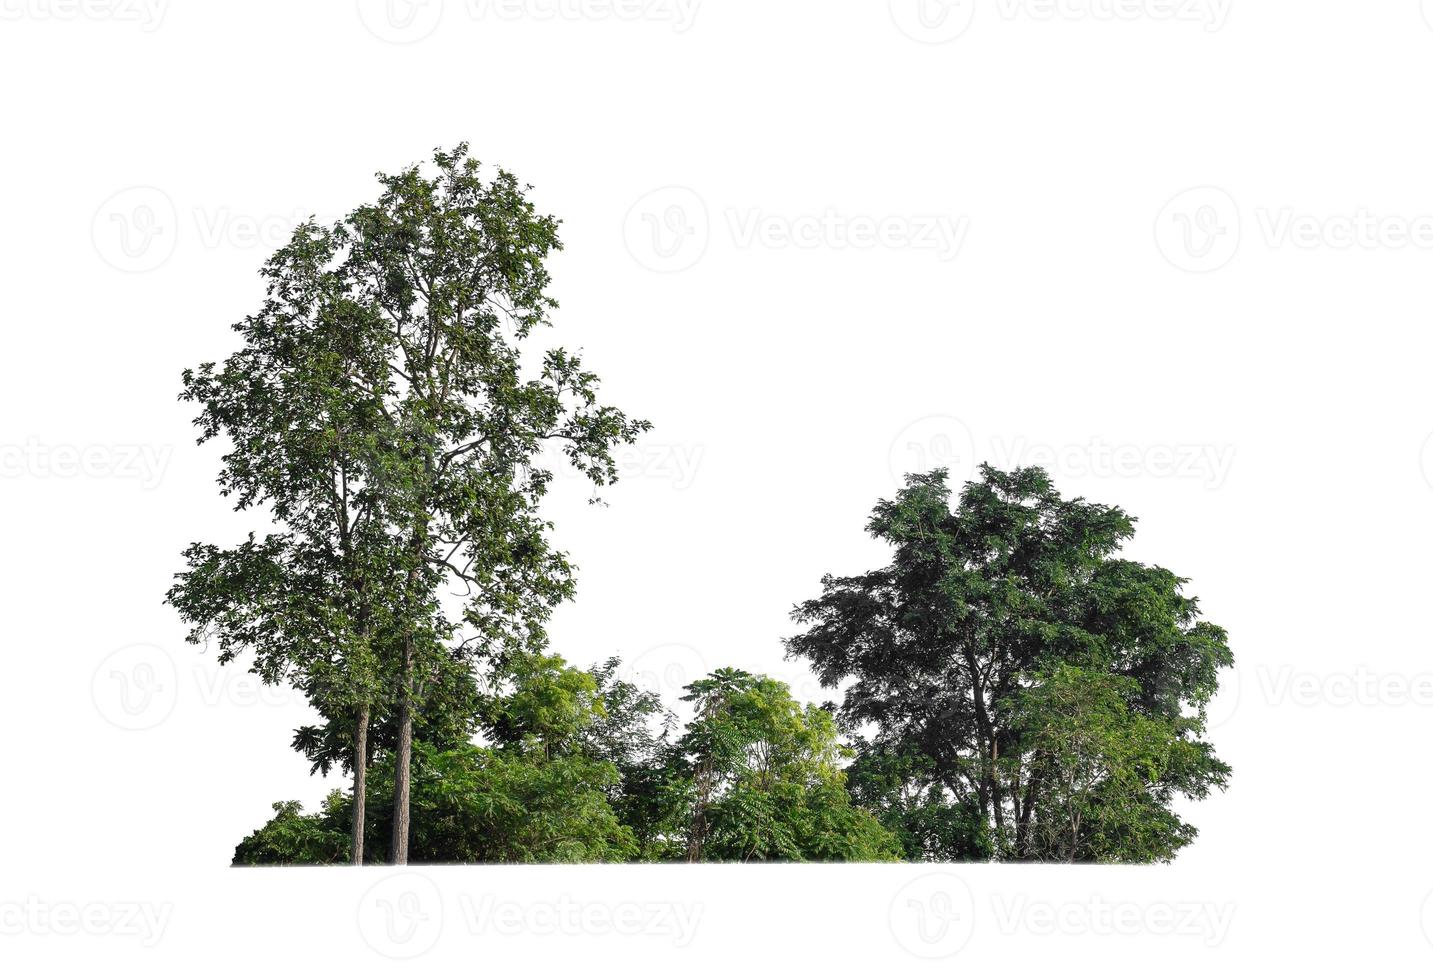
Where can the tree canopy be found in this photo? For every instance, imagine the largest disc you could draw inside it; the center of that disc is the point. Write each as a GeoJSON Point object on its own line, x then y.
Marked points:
{"type": "Point", "coordinates": [1020, 689]}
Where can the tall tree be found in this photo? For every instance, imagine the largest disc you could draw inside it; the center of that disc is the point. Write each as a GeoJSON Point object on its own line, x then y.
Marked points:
{"type": "Point", "coordinates": [1014, 668]}
{"type": "Point", "coordinates": [382, 408]}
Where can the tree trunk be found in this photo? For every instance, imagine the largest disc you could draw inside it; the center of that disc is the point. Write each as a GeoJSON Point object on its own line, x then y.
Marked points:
{"type": "Point", "coordinates": [360, 782]}
{"type": "Point", "coordinates": [402, 759]}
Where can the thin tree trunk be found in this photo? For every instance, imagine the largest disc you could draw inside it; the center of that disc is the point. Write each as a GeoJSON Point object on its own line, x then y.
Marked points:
{"type": "Point", "coordinates": [360, 782]}
{"type": "Point", "coordinates": [402, 759]}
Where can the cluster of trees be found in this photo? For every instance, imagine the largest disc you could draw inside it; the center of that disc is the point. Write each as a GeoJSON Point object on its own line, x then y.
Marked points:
{"type": "Point", "coordinates": [1013, 689]}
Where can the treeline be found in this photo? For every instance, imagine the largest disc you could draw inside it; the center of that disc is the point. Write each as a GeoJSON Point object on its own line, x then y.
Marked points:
{"type": "Point", "coordinates": [582, 766]}
{"type": "Point", "coordinates": [1013, 690]}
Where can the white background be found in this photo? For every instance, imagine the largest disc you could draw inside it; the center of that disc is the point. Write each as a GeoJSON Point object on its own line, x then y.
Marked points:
{"type": "Point", "coordinates": [1177, 252]}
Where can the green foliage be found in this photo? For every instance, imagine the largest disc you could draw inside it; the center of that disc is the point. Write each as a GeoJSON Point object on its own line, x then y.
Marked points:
{"type": "Point", "coordinates": [1031, 695]}
{"type": "Point", "coordinates": [581, 769]}
{"type": "Point", "coordinates": [760, 779]}
{"type": "Point", "coordinates": [293, 837]}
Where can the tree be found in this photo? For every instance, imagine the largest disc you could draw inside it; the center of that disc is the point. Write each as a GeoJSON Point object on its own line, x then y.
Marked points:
{"type": "Point", "coordinates": [1016, 671]}
{"type": "Point", "coordinates": [381, 408]}
{"type": "Point", "coordinates": [538, 792]}
{"type": "Point", "coordinates": [760, 779]}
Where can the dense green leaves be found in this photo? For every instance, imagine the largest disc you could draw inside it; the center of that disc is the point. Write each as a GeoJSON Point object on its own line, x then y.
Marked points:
{"type": "Point", "coordinates": [1028, 693]}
